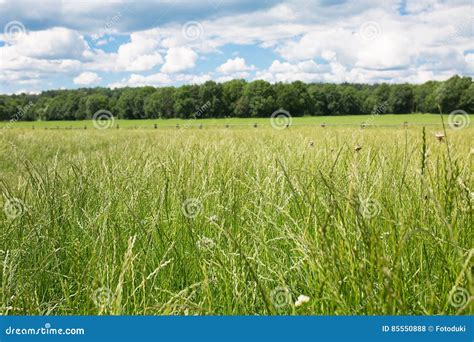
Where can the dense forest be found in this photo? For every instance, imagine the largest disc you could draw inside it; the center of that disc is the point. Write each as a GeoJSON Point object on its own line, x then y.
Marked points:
{"type": "Point", "coordinates": [238, 98]}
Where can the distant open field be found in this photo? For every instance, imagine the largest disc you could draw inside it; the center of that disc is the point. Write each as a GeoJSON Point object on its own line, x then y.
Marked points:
{"type": "Point", "coordinates": [386, 119]}
{"type": "Point", "coordinates": [238, 221]}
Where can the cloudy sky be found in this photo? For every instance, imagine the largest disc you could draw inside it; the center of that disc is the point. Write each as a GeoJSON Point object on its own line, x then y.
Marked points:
{"type": "Point", "coordinates": [72, 44]}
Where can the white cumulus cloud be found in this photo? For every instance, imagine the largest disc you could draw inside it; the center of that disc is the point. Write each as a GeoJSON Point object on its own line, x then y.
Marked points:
{"type": "Point", "coordinates": [87, 78]}
{"type": "Point", "coordinates": [179, 59]}
{"type": "Point", "coordinates": [313, 41]}
{"type": "Point", "coordinates": [234, 65]}
{"type": "Point", "coordinates": [54, 43]}
{"type": "Point", "coordinates": [136, 80]}
{"type": "Point", "coordinates": [138, 55]}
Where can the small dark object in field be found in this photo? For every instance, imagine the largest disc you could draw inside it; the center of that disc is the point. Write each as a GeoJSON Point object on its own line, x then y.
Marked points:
{"type": "Point", "coordinates": [255, 125]}
{"type": "Point", "coordinates": [32, 127]}
{"type": "Point", "coordinates": [363, 125]}
{"type": "Point", "coordinates": [357, 148]}
{"type": "Point", "coordinates": [85, 127]}
{"type": "Point", "coordinates": [117, 126]}
{"type": "Point", "coordinates": [457, 124]}
{"type": "Point", "coordinates": [156, 126]}
{"type": "Point", "coordinates": [177, 125]}
{"type": "Point", "coordinates": [200, 126]}
{"type": "Point", "coordinates": [439, 136]}
{"type": "Point", "coordinates": [57, 127]}
{"type": "Point", "coordinates": [323, 125]}
{"type": "Point", "coordinates": [405, 124]}
{"type": "Point", "coordinates": [287, 125]}
{"type": "Point", "coordinates": [311, 143]}
{"type": "Point", "coordinates": [226, 126]}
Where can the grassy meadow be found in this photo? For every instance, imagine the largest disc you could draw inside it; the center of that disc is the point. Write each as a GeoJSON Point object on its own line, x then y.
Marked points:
{"type": "Point", "coordinates": [369, 119]}
{"type": "Point", "coordinates": [239, 220]}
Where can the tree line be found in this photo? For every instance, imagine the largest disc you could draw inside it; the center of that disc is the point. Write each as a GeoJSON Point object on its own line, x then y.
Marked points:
{"type": "Point", "coordinates": [239, 98]}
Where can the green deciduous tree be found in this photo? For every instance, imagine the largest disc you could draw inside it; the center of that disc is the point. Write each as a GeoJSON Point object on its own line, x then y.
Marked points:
{"type": "Point", "coordinates": [239, 98]}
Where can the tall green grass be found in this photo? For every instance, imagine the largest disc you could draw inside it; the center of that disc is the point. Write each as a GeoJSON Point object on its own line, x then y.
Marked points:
{"type": "Point", "coordinates": [236, 221]}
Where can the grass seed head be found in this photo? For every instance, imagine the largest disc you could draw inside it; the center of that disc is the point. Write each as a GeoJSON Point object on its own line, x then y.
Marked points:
{"type": "Point", "coordinates": [439, 136]}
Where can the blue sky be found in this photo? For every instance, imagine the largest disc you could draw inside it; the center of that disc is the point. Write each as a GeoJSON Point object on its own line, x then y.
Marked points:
{"type": "Point", "coordinates": [72, 44]}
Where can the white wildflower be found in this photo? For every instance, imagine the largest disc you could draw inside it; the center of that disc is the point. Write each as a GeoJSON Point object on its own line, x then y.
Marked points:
{"type": "Point", "coordinates": [301, 300]}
